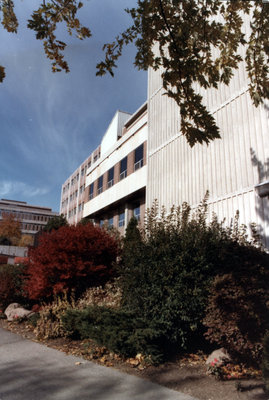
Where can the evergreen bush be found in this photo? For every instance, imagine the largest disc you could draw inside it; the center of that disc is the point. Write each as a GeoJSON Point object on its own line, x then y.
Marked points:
{"type": "Point", "coordinates": [167, 270]}
{"type": "Point", "coordinates": [119, 330]}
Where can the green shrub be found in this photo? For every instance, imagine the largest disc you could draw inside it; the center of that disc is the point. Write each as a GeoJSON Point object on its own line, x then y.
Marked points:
{"type": "Point", "coordinates": [265, 365]}
{"type": "Point", "coordinates": [167, 271]}
{"type": "Point", "coordinates": [12, 279]}
{"type": "Point", "coordinates": [118, 330]}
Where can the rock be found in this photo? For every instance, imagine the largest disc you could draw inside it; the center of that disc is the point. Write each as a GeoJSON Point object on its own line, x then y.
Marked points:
{"type": "Point", "coordinates": [218, 357]}
{"type": "Point", "coordinates": [15, 311]}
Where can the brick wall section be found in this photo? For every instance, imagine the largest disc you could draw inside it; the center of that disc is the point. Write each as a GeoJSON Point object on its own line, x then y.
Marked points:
{"type": "Point", "coordinates": [145, 153]}
{"type": "Point", "coordinates": [130, 163]}
{"type": "Point", "coordinates": [105, 179]}
{"type": "Point", "coordinates": [116, 173]}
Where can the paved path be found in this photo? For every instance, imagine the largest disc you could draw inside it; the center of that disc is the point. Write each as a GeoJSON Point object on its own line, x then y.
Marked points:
{"type": "Point", "coordinates": [31, 371]}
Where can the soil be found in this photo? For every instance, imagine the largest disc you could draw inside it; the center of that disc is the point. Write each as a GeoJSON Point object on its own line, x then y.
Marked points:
{"type": "Point", "coordinates": [187, 374]}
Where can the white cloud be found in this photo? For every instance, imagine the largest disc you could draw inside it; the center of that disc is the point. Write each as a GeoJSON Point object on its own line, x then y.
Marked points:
{"type": "Point", "coordinates": [11, 189]}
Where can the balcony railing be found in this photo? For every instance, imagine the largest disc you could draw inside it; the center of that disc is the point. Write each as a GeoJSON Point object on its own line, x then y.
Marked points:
{"type": "Point", "coordinates": [123, 174]}
{"type": "Point", "coordinates": [99, 190]}
{"type": "Point", "coordinates": [110, 183]}
{"type": "Point", "coordinates": [138, 164]}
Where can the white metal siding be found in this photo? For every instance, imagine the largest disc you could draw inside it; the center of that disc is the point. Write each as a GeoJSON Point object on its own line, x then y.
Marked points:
{"type": "Point", "coordinates": [229, 168]}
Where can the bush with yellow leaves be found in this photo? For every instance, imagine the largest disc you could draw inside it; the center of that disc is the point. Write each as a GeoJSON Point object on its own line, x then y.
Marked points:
{"type": "Point", "coordinates": [49, 325]}
{"type": "Point", "coordinates": [109, 296]}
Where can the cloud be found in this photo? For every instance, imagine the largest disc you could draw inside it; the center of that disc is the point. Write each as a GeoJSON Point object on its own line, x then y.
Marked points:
{"type": "Point", "coordinates": [11, 189]}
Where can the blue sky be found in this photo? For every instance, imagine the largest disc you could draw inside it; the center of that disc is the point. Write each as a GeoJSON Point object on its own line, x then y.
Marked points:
{"type": "Point", "coordinates": [50, 123]}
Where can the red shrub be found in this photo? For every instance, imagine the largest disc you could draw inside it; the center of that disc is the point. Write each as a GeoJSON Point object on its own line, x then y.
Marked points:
{"type": "Point", "coordinates": [237, 316]}
{"type": "Point", "coordinates": [72, 257]}
{"type": "Point", "coordinates": [11, 283]}
{"type": "Point", "coordinates": [3, 259]}
{"type": "Point", "coordinates": [21, 260]}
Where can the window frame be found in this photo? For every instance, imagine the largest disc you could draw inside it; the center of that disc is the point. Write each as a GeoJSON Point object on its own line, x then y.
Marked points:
{"type": "Point", "coordinates": [110, 180]}
{"type": "Point", "coordinates": [139, 158]}
{"type": "Point", "coordinates": [91, 191]}
{"type": "Point", "coordinates": [100, 182]}
{"type": "Point", "coordinates": [123, 172]}
{"type": "Point", "coordinates": [121, 222]}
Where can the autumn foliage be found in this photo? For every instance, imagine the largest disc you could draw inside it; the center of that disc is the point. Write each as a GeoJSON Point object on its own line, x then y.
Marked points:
{"type": "Point", "coordinates": [72, 257]}
{"type": "Point", "coordinates": [10, 228]}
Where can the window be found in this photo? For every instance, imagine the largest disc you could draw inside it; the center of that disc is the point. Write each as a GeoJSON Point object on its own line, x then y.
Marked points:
{"type": "Point", "coordinates": [110, 221]}
{"type": "Point", "coordinates": [137, 212]}
{"type": "Point", "coordinates": [100, 185]}
{"type": "Point", "coordinates": [101, 223]}
{"type": "Point", "coordinates": [138, 161]}
{"type": "Point", "coordinates": [123, 168]}
{"type": "Point", "coordinates": [110, 177]}
{"type": "Point", "coordinates": [121, 219]}
{"type": "Point", "coordinates": [77, 177]}
{"type": "Point", "coordinates": [91, 191]}
{"type": "Point", "coordinates": [82, 172]}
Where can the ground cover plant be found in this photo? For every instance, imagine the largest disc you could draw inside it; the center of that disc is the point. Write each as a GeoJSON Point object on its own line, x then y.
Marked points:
{"type": "Point", "coordinates": [72, 257]}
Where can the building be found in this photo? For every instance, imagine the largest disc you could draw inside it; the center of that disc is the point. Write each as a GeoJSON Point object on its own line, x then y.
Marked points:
{"type": "Point", "coordinates": [73, 190]}
{"type": "Point", "coordinates": [114, 185]}
{"type": "Point", "coordinates": [234, 169]}
{"type": "Point", "coordinates": [32, 218]}
{"type": "Point", "coordinates": [151, 159]}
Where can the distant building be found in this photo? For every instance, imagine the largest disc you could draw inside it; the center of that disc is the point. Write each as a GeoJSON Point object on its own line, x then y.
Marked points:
{"type": "Point", "coordinates": [32, 218]}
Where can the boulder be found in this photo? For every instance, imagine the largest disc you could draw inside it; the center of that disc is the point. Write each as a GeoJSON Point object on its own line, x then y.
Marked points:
{"type": "Point", "coordinates": [15, 311]}
{"type": "Point", "coordinates": [218, 357]}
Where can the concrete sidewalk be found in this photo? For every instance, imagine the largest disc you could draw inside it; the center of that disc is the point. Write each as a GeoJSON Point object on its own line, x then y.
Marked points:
{"type": "Point", "coordinates": [31, 371]}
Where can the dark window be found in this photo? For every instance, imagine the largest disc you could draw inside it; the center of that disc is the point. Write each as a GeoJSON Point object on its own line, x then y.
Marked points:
{"type": "Point", "coordinates": [137, 212]}
{"type": "Point", "coordinates": [91, 191]}
{"type": "Point", "coordinates": [110, 221]}
{"type": "Point", "coordinates": [123, 168]}
{"type": "Point", "coordinates": [110, 177]}
{"type": "Point", "coordinates": [100, 185]}
{"type": "Point", "coordinates": [121, 219]}
{"type": "Point", "coordinates": [138, 162]}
